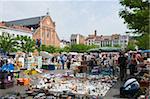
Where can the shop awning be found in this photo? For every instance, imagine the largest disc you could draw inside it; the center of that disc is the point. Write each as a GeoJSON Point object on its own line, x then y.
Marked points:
{"type": "Point", "coordinates": [45, 54]}
{"type": "Point", "coordinates": [110, 49]}
{"type": "Point", "coordinates": [146, 51]}
{"type": "Point", "coordinates": [94, 50]}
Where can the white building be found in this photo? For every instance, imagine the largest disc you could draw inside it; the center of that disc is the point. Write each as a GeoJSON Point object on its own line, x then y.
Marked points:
{"type": "Point", "coordinates": [92, 39]}
{"type": "Point", "coordinates": [77, 39]}
{"type": "Point", "coordinates": [64, 43]}
{"type": "Point", "coordinates": [124, 39]}
{"type": "Point", "coordinates": [115, 40]}
{"type": "Point", "coordinates": [15, 32]}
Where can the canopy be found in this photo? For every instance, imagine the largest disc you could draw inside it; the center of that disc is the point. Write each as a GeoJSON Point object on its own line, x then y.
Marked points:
{"type": "Point", "coordinates": [110, 49]}
{"type": "Point", "coordinates": [46, 54]}
{"type": "Point", "coordinates": [146, 51]}
{"type": "Point", "coordinates": [7, 67]}
{"type": "Point", "coordinates": [94, 50]}
{"type": "Point", "coordinates": [73, 53]}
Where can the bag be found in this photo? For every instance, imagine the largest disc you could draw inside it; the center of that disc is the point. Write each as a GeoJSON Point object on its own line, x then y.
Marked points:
{"type": "Point", "coordinates": [128, 71]}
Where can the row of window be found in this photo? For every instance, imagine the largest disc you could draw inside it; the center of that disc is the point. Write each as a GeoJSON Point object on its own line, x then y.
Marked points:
{"type": "Point", "coordinates": [73, 40]}
{"type": "Point", "coordinates": [46, 33]}
{"type": "Point", "coordinates": [4, 33]}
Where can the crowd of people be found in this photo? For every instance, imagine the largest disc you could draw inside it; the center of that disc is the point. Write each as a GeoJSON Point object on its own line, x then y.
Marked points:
{"type": "Point", "coordinates": [125, 62]}
{"type": "Point", "coordinates": [112, 61]}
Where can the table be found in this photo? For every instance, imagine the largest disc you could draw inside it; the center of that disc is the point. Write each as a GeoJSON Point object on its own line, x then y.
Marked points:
{"type": "Point", "coordinates": [48, 67]}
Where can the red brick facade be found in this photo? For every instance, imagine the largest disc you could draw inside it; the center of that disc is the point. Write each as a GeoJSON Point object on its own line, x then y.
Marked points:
{"type": "Point", "coordinates": [46, 32]}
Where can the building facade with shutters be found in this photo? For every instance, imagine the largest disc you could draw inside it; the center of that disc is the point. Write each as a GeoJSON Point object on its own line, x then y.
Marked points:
{"type": "Point", "coordinates": [114, 40]}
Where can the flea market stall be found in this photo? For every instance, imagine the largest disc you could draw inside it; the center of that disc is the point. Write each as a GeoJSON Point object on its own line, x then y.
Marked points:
{"type": "Point", "coordinates": [46, 61]}
{"type": "Point", "coordinates": [63, 85]}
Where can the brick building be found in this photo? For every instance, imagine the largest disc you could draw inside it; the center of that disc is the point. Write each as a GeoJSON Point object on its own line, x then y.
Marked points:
{"type": "Point", "coordinates": [42, 27]}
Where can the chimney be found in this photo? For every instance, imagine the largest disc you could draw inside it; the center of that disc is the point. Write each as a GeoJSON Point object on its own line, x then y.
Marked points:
{"type": "Point", "coordinates": [95, 33]}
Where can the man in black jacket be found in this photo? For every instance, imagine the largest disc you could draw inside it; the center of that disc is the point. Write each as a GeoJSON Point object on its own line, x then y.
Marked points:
{"type": "Point", "coordinates": [122, 61]}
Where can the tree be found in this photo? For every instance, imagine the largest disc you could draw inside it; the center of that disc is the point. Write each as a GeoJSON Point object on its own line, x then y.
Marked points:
{"type": "Point", "coordinates": [25, 44]}
{"type": "Point", "coordinates": [66, 49]}
{"type": "Point", "coordinates": [131, 45]}
{"type": "Point", "coordinates": [143, 41]}
{"type": "Point", "coordinates": [81, 48]}
{"type": "Point", "coordinates": [50, 48]}
{"type": "Point", "coordinates": [7, 43]}
{"type": "Point", "coordinates": [136, 15]}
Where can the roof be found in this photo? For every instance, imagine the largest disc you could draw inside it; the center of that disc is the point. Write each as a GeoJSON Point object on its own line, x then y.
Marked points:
{"type": "Point", "coordinates": [98, 38]}
{"type": "Point", "coordinates": [26, 22]}
{"type": "Point", "coordinates": [17, 29]}
{"type": "Point", "coordinates": [90, 38]}
{"type": "Point", "coordinates": [106, 38]}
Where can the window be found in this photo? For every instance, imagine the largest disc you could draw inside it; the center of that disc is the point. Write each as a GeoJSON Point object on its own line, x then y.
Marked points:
{"type": "Point", "coordinates": [48, 31]}
{"type": "Point", "coordinates": [75, 40]}
{"type": "Point", "coordinates": [3, 33]}
{"type": "Point", "coordinates": [43, 34]}
{"type": "Point", "coordinates": [47, 34]}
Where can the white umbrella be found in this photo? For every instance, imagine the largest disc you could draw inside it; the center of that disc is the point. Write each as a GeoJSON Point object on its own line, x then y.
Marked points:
{"type": "Point", "coordinates": [46, 55]}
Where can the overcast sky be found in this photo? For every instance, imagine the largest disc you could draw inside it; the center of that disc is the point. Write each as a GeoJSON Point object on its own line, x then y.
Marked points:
{"type": "Point", "coordinates": [71, 17]}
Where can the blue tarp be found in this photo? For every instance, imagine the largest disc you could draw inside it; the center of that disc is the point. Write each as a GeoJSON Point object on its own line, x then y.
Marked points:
{"type": "Point", "coordinates": [146, 51]}
{"type": "Point", "coordinates": [8, 67]}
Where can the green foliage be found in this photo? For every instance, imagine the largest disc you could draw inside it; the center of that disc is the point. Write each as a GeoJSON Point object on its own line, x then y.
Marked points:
{"type": "Point", "coordinates": [117, 45]}
{"type": "Point", "coordinates": [50, 49]}
{"type": "Point", "coordinates": [26, 44]}
{"type": "Point", "coordinates": [66, 49]}
{"type": "Point", "coordinates": [136, 15]}
{"type": "Point", "coordinates": [8, 43]}
{"type": "Point", "coordinates": [144, 41]}
{"type": "Point", "coordinates": [81, 48]}
{"type": "Point", "coordinates": [74, 48]}
{"type": "Point", "coordinates": [131, 45]}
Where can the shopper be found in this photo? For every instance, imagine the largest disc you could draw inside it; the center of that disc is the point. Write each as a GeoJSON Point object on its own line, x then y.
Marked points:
{"type": "Point", "coordinates": [111, 64]}
{"type": "Point", "coordinates": [62, 61]}
{"type": "Point", "coordinates": [133, 65]}
{"type": "Point", "coordinates": [1, 62]}
{"type": "Point", "coordinates": [68, 63]}
{"type": "Point", "coordinates": [122, 61]}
